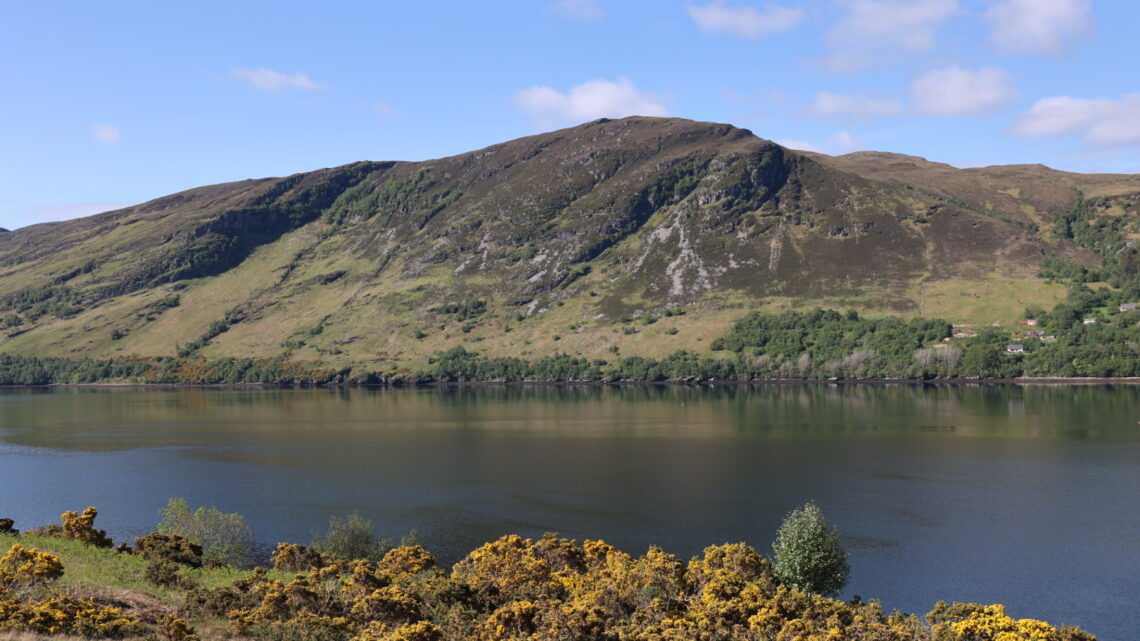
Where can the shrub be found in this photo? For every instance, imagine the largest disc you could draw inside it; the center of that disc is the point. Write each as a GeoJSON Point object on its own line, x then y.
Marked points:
{"type": "Point", "coordinates": [808, 553]}
{"type": "Point", "coordinates": [351, 538]}
{"type": "Point", "coordinates": [406, 559]}
{"type": "Point", "coordinates": [418, 631]}
{"type": "Point", "coordinates": [225, 538]}
{"type": "Point", "coordinates": [240, 595]}
{"type": "Point", "coordinates": [170, 547]}
{"type": "Point", "coordinates": [306, 626]}
{"type": "Point", "coordinates": [968, 621]}
{"type": "Point", "coordinates": [61, 614]}
{"type": "Point", "coordinates": [26, 568]}
{"type": "Point", "coordinates": [6, 527]}
{"type": "Point", "coordinates": [291, 557]}
{"type": "Point", "coordinates": [165, 574]}
{"type": "Point", "coordinates": [80, 527]}
{"type": "Point", "coordinates": [171, 628]}
{"type": "Point", "coordinates": [390, 605]}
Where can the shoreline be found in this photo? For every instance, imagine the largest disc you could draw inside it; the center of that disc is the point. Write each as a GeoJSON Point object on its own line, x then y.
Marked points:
{"type": "Point", "coordinates": [1034, 381]}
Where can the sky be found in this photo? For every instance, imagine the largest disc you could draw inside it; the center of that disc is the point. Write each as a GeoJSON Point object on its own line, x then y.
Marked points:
{"type": "Point", "coordinates": [114, 103]}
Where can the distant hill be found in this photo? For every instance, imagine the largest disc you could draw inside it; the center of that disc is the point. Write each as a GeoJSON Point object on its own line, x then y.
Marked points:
{"type": "Point", "coordinates": [543, 244]}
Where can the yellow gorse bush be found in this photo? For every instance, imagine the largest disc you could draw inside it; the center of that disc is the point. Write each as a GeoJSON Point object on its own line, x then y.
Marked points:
{"type": "Point", "coordinates": [552, 589]}
{"type": "Point", "coordinates": [80, 527]}
{"type": "Point", "coordinates": [511, 589]}
{"type": "Point", "coordinates": [975, 622]}
{"type": "Point", "coordinates": [23, 567]}
{"type": "Point", "coordinates": [23, 571]}
{"type": "Point", "coordinates": [172, 628]}
{"type": "Point", "coordinates": [62, 614]}
{"type": "Point", "coordinates": [418, 631]}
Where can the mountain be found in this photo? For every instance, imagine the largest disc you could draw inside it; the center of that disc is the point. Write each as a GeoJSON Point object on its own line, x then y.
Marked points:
{"type": "Point", "coordinates": [553, 242]}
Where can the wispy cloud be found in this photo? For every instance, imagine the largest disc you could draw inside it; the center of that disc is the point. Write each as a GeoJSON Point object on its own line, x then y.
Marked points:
{"type": "Point", "coordinates": [272, 81]}
{"type": "Point", "coordinates": [106, 134]}
{"type": "Point", "coordinates": [578, 9]}
{"type": "Point", "coordinates": [801, 145]}
{"type": "Point", "coordinates": [1098, 121]}
{"type": "Point", "coordinates": [876, 30]}
{"type": "Point", "coordinates": [829, 105]}
{"type": "Point", "coordinates": [599, 98]}
{"type": "Point", "coordinates": [840, 142]}
{"type": "Point", "coordinates": [1039, 26]}
{"type": "Point", "coordinates": [954, 91]}
{"type": "Point", "coordinates": [748, 22]}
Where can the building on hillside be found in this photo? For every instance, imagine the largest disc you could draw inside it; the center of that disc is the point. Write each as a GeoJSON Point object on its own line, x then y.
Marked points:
{"type": "Point", "coordinates": [1127, 307]}
{"type": "Point", "coordinates": [1015, 348]}
{"type": "Point", "coordinates": [1032, 322]}
{"type": "Point", "coordinates": [1089, 321]}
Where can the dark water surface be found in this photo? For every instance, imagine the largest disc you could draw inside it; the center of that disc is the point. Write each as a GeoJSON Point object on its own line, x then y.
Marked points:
{"type": "Point", "coordinates": [1028, 496]}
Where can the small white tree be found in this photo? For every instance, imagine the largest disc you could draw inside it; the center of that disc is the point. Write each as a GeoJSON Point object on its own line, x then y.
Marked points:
{"type": "Point", "coordinates": [808, 553]}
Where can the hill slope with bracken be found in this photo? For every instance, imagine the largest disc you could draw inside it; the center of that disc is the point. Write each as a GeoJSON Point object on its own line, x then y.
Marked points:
{"type": "Point", "coordinates": [547, 243]}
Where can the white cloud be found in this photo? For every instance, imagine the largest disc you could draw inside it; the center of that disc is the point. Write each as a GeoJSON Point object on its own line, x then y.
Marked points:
{"type": "Point", "coordinates": [801, 145]}
{"type": "Point", "coordinates": [1100, 121]}
{"type": "Point", "coordinates": [829, 104]}
{"type": "Point", "coordinates": [874, 29]}
{"type": "Point", "coordinates": [745, 21]}
{"type": "Point", "coordinates": [384, 109]}
{"type": "Point", "coordinates": [1038, 26]}
{"type": "Point", "coordinates": [840, 142]}
{"type": "Point", "coordinates": [954, 91]}
{"type": "Point", "coordinates": [578, 9]}
{"type": "Point", "coordinates": [599, 98]}
{"type": "Point", "coordinates": [272, 81]}
{"type": "Point", "coordinates": [843, 142]}
{"type": "Point", "coordinates": [106, 134]}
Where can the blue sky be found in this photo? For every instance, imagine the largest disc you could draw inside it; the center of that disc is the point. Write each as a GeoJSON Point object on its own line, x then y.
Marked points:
{"type": "Point", "coordinates": [114, 103]}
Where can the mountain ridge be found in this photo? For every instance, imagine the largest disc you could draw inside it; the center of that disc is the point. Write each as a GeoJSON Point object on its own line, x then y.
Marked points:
{"type": "Point", "coordinates": [551, 242]}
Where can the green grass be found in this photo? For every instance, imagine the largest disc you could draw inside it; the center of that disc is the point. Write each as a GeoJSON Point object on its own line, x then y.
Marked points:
{"type": "Point", "coordinates": [987, 301]}
{"type": "Point", "coordinates": [88, 569]}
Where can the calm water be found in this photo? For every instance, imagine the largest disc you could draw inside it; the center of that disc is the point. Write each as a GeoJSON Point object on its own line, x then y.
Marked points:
{"type": "Point", "coordinates": [1024, 496]}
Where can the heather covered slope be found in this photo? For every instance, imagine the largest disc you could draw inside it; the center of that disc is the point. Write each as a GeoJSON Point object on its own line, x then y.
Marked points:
{"type": "Point", "coordinates": [542, 244]}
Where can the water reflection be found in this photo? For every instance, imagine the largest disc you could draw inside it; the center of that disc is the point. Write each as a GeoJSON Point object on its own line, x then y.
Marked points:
{"type": "Point", "coordinates": [103, 420]}
{"type": "Point", "coordinates": [965, 492]}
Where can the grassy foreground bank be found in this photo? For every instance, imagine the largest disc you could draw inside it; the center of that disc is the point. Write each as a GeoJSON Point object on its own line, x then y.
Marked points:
{"type": "Point", "coordinates": [68, 581]}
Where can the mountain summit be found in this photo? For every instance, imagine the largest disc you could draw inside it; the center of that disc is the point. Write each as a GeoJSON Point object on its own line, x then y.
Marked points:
{"type": "Point", "coordinates": [553, 242]}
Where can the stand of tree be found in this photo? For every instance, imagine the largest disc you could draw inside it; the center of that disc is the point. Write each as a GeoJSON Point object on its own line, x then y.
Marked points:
{"type": "Point", "coordinates": [31, 370]}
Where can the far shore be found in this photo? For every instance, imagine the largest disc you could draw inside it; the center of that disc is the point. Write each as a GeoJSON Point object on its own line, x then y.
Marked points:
{"type": "Point", "coordinates": [1126, 380]}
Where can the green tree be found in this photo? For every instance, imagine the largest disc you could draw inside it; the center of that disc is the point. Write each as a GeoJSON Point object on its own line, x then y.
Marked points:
{"type": "Point", "coordinates": [808, 553]}
{"type": "Point", "coordinates": [225, 538]}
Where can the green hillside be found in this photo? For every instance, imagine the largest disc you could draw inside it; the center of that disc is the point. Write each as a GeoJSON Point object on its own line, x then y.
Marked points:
{"type": "Point", "coordinates": [639, 236]}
